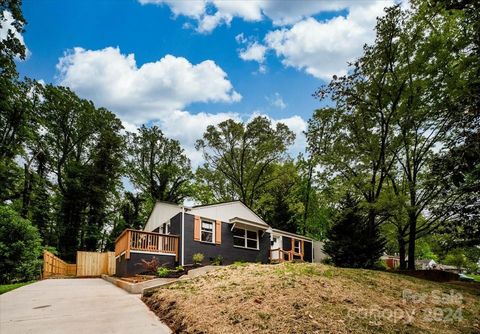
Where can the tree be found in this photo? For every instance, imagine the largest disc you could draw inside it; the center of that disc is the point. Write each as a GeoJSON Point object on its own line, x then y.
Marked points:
{"type": "Point", "coordinates": [280, 204]}
{"type": "Point", "coordinates": [244, 156]}
{"type": "Point", "coordinates": [158, 166]}
{"type": "Point", "coordinates": [20, 247]}
{"type": "Point", "coordinates": [349, 242]}
{"type": "Point", "coordinates": [359, 143]}
{"type": "Point", "coordinates": [11, 17]}
{"type": "Point", "coordinates": [84, 151]}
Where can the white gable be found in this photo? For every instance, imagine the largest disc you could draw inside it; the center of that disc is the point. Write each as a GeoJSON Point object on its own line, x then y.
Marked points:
{"type": "Point", "coordinates": [161, 213]}
{"type": "Point", "coordinates": [226, 211]}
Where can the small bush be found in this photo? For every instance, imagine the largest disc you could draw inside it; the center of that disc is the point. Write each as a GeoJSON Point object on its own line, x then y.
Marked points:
{"type": "Point", "coordinates": [179, 268]}
{"type": "Point", "coordinates": [217, 260]}
{"type": "Point", "coordinates": [380, 265]}
{"type": "Point", "coordinates": [163, 272]}
{"type": "Point", "coordinates": [151, 266]}
{"type": "Point", "coordinates": [328, 261]}
{"type": "Point", "coordinates": [198, 258]}
{"type": "Point", "coordinates": [20, 248]}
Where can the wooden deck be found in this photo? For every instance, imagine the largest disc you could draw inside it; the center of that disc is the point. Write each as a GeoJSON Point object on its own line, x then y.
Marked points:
{"type": "Point", "coordinates": [134, 240]}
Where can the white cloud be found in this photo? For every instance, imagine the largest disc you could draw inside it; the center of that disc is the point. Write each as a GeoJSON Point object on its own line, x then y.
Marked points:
{"type": "Point", "coordinates": [296, 124]}
{"type": "Point", "coordinates": [154, 92]}
{"type": "Point", "coordinates": [193, 9]}
{"type": "Point", "coordinates": [6, 25]}
{"type": "Point", "coordinates": [323, 49]}
{"type": "Point", "coordinates": [276, 100]}
{"type": "Point", "coordinates": [240, 38]}
{"type": "Point", "coordinates": [254, 52]}
{"type": "Point", "coordinates": [138, 94]}
{"type": "Point", "coordinates": [281, 13]}
{"type": "Point", "coordinates": [320, 48]}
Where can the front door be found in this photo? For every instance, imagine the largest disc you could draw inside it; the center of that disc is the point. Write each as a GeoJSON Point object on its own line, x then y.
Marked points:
{"type": "Point", "coordinates": [276, 244]}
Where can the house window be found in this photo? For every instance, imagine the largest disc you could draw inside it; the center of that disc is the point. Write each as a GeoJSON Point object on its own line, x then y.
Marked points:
{"type": "Point", "coordinates": [206, 231]}
{"type": "Point", "coordinates": [245, 238]}
{"type": "Point", "coordinates": [297, 246]}
{"type": "Point", "coordinates": [166, 228]}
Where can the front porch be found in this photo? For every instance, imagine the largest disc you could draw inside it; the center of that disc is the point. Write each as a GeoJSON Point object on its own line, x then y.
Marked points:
{"type": "Point", "coordinates": [279, 255]}
{"type": "Point", "coordinates": [135, 241]}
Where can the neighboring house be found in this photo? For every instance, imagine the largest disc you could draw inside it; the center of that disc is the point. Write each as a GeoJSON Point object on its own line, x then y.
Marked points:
{"type": "Point", "coordinates": [425, 264]}
{"type": "Point", "coordinates": [391, 261]}
{"type": "Point", "coordinates": [228, 231]}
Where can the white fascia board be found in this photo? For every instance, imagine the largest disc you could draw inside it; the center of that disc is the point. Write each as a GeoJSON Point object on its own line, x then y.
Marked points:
{"type": "Point", "coordinates": [290, 234]}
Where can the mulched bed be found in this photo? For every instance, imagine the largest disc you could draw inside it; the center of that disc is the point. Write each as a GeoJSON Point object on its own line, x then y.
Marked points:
{"type": "Point", "coordinates": [174, 273]}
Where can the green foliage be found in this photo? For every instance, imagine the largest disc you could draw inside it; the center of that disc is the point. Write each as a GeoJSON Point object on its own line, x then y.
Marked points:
{"type": "Point", "coordinates": [20, 248]}
{"type": "Point", "coordinates": [240, 158]}
{"type": "Point", "coordinates": [85, 151]}
{"type": "Point", "coordinates": [11, 46]}
{"type": "Point", "coordinates": [179, 268]}
{"type": "Point", "coordinates": [280, 203]}
{"type": "Point", "coordinates": [163, 271]}
{"type": "Point", "coordinates": [197, 258]}
{"type": "Point", "coordinates": [458, 257]}
{"type": "Point", "coordinates": [350, 243]}
{"type": "Point", "coordinates": [158, 165]}
{"type": "Point", "coordinates": [217, 260]}
{"type": "Point", "coordinates": [423, 250]}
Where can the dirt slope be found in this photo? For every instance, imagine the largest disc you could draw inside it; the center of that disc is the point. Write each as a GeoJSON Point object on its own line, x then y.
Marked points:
{"type": "Point", "coordinates": [314, 298]}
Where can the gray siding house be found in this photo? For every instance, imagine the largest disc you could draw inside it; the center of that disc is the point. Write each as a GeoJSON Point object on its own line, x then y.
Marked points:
{"type": "Point", "coordinates": [228, 231]}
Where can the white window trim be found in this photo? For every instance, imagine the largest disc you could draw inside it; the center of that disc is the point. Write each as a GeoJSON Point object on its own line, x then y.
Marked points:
{"type": "Point", "coordinates": [213, 230]}
{"type": "Point", "coordinates": [245, 238]}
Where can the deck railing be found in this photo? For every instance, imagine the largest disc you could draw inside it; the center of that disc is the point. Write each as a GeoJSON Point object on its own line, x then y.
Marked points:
{"type": "Point", "coordinates": [284, 255]}
{"type": "Point", "coordinates": [134, 240]}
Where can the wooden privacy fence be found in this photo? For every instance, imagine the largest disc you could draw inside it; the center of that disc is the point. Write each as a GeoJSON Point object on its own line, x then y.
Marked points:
{"type": "Point", "coordinates": [54, 266]}
{"type": "Point", "coordinates": [88, 264]}
{"type": "Point", "coordinates": [95, 264]}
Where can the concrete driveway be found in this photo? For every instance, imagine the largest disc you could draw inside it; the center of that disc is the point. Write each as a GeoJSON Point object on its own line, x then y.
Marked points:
{"type": "Point", "coordinates": [75, 306]}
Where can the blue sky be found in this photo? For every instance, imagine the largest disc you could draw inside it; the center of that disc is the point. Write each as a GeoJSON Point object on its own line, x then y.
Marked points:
{"type": "Point", "coordinates": [185, 64]}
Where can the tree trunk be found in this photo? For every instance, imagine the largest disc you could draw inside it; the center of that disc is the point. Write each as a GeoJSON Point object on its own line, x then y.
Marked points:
{"type": "Point", "coordinates": [307, 197]}
{"type": "Point", "coordinates": [412, 222]}
{"type": "Point", "coordinates": [401, 254]}
{"type": "Point", "coordinates": [27, 190]}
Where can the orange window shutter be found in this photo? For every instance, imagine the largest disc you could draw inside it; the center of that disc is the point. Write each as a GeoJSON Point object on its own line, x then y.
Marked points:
{"type": "Point", "coordinates": [218, 232]}
{"type": "Point", "coordinates": [196, 228]}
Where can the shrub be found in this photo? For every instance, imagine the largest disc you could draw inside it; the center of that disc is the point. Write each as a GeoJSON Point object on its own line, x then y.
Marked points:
{"type": "Point", "coordinates": [151, 266]}
{"type": "Point", "coordinates": [198, 258]}
{"type": "Point", "coordinates": [20, 247]}
{"type": "Point", "coordinates": [217, 260]}
{"type": "Point", "coordinates": [163, 272]}
{"type": "Point", "coordinates": [179, 268]}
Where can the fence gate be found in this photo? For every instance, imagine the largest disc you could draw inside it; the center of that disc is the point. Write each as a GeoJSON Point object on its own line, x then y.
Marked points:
{"type": "Point", "coordinates": [95, 264]}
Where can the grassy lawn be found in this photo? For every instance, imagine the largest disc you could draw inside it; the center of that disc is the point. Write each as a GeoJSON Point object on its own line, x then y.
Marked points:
{"type": "Point", "coordinates": [476, 277]}
{"type": "Point", "coordinates": [315, 298]}
{"type": "Point", "coordinates": [9, 287]}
